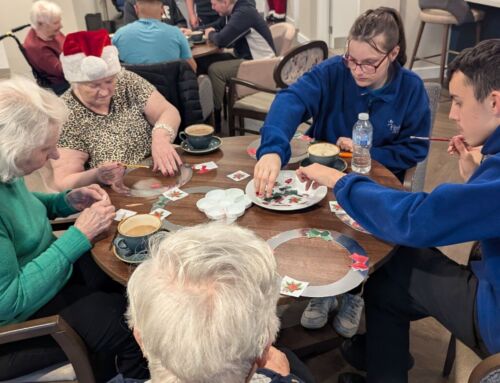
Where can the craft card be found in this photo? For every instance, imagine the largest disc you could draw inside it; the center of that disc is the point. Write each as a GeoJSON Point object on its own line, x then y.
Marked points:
{"type": "Point", "coordinates": [175, 194]}
{"type": "Point", "coordinates": [238, 175]}
{"type": "Point", "coordinates": [292, 287]}
{"type": "Point", "coordinates": [124, 213]}
{"type": "Point", "coordinates": [160, 213]}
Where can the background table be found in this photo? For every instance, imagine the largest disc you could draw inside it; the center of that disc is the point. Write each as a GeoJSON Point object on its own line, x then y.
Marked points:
{"type": "Point", "coordinates": [266, 223]}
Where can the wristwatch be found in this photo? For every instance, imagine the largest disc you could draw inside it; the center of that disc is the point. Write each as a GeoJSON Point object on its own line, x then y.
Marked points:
{"type": "Point", "coordinates": [170, 131]}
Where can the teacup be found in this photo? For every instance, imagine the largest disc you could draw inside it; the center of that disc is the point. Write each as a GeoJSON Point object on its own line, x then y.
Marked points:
{"type": "Point", "coordinates": [198, 136]}
{"type": "Point", "coordinates": [323, 153]}
{"type": "Point", "coordinates": [135, 232]}
{"type": "Point", "coordinates": [197, 36]}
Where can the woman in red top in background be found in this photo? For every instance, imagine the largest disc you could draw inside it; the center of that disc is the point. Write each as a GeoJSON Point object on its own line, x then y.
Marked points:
{"type": "Point", "coordinates": [44, 42]}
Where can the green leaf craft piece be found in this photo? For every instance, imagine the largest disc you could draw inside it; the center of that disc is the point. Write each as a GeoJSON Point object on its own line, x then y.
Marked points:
{"type": "Point", "coordinates": [323, 234]}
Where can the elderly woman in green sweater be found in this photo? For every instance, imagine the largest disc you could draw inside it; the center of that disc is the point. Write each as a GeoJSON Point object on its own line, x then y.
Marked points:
{"type": "Point", "coordinates": [39, 274]}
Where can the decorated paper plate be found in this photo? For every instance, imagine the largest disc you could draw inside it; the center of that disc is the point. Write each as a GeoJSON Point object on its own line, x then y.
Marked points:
{"type": "Point", "coordinates": [298, 146]}
{"type": "Point", "coordinates": [215, 143]}
{"type": "Point", "coordinates": [143, 182]}
{"type": "Point", "coordinates": [332, 263]}
{"type": "Point", "coordinates": [346, 218]}
{"type": "Point", "coordinates": [288, 193]}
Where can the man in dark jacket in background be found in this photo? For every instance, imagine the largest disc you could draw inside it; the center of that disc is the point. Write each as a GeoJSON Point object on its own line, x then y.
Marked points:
{"type": "Point", "coordinates": [241, 27]}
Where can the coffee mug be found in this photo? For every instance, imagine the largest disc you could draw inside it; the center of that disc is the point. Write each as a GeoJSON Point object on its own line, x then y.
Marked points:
{"type": "Point", "coordinates": [135, 232]}
{"type": "Point", "coordinates": [198, 136]}
{"type": "Point", "coordinates": [323, 153]}
{"type": "Point", "coordinates": [197, 36]}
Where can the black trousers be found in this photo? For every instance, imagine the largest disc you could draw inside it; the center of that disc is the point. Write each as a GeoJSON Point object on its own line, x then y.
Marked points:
{"type": "Point", "coordinates": [414, 284]}
{"type": "Point", "coordinates": [93, 305]}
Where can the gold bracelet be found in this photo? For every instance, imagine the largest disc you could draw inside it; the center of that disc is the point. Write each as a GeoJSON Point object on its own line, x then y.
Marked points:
{"type": "Point", "coordinates": [170, 131]}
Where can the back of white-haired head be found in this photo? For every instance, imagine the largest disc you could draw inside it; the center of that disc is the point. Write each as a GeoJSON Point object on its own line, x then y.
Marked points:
{"type": "Point", "coordinates": [205, 304]}
{"type": "Point", "coordinates": [43, 12]}
{"type": "Point", "coordinates": [27, 113]}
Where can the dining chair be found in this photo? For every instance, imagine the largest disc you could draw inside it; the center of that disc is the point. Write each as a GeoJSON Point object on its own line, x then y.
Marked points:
{"type": "Point", "coordinates": [445, 13]}
{"type": "Point", "coordinates": [177, 82]}
{"type": "Point", "coordinates": [283, 37]}
{"type": "Point", "coordinates": [77, 369]}
{"type": "Point", "coordinates": [415, 177]}
{"type": "Point", "coordinates": [487, 371]}
{"type": "Point", "coordinates": [252, 91]}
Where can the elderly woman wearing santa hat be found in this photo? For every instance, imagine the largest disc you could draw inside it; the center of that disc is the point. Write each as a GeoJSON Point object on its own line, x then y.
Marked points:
{"type": "Point", "coordinates": [115, 117]}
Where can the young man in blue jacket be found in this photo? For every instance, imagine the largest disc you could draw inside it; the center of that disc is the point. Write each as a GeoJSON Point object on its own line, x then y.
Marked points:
{"type": "Point", "coordinates": [417, 281]}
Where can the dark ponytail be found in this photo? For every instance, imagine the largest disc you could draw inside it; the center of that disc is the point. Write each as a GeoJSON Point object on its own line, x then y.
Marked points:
{"type": "Point", "coordinates": [383, 20]}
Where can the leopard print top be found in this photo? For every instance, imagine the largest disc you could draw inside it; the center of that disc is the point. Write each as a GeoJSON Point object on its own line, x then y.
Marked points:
{"type": "Point", "coordinates": [122, 135]}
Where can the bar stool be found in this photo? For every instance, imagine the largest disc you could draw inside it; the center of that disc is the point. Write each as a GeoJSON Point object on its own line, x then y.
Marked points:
{"type": "Point", "coordinates": [445, 18]}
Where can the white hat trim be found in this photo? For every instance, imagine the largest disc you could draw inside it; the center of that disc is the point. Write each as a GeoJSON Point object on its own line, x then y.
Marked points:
{"type": "Point", "coordinates": [80, 68]}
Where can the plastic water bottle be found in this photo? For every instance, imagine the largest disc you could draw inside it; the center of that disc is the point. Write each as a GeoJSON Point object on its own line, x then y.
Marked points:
{"type": "Point", "coordinates": [362, 134]}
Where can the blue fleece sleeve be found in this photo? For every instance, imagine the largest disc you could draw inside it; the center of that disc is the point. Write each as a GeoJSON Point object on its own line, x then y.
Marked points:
{"type": "Point", "coordinates": [452, 213]}
{"type": "Point", "coordinates": [404, 152]}
{"type": "Point", "coordinates": [290, 108]}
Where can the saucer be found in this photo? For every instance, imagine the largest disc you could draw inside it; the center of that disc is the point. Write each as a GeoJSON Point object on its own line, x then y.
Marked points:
{"type": "Point", "coordinates": [125, 256]}
{"type": "Point", "coordinates": [339, 164]}
{"type": "Point", "coordinates": [215, 143]}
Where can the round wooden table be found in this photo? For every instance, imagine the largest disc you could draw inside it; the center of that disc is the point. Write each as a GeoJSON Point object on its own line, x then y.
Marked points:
{"type": "Point", "coordinates": [304, 263]}
{"type": "Point", "coordinates": [205, 49]}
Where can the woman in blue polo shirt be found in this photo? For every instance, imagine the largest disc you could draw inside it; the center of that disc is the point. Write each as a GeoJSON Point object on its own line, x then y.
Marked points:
{"type": "Point", "coordinates": [369, 78]}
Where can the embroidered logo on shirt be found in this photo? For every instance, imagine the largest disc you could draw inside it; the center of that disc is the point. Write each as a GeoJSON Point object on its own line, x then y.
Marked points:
{"type": "Point", "coordinates": [393, 127]}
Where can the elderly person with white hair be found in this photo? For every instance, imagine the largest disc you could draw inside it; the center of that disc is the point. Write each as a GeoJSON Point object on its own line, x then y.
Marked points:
{"type": "Point", "coordinates": [44, 42]}
{"type": "Point", "coordinates": [39, 274]}
{"type": "Point", "coordinates": [203, 308]}
{"type": "Point", "coordinates": [116, 117]}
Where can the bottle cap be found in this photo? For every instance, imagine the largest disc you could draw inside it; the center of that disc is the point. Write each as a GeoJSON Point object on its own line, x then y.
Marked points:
{"type": "Point", "coordinates": [363, 116]}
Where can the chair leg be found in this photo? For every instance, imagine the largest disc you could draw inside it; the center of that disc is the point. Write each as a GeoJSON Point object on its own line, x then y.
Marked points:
{"type": "Point", "coordinates": [231, 121]}
{"type": "Point", "coordinates": [241, 125]}
{"type": "Point", "coordinates": [417, 43]}
{"type": "Point", "coordinates": [478, 32]}
{"type": "Point", "coordinates": [450, 356]}
{"type": "Point", "coordinates": [444, 53]}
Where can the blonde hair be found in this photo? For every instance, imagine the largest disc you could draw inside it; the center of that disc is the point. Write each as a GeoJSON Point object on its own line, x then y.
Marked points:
{"type": "Point", "coordinates": [26, 113]}
{"type": "Point", "coordinates": [43, 12]}
{"type": "Point", "coordinates": [205, 304]}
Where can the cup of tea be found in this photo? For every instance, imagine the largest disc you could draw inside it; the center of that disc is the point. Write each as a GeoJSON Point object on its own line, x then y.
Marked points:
{"type": "Point", "coordinates": [135, 232]}
{"type": "Point", "coordinates": [323, 153]}
{"type": "Point", "coordinates": [197, 36]}
{"type": "Point", "coordinates": [198, 136]}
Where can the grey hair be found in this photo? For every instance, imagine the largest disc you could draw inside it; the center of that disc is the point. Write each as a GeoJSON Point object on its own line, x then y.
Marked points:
{"type": "Point", "coordinates": [43, 12]}
{"type": "Point", "coordinates": [205, 304]}
{"type": "Point", "coordinates": [26, 112]}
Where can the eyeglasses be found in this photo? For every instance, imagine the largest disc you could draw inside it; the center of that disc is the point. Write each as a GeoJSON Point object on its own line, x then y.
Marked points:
{"type": "Point", "coordinates": [365, 68]}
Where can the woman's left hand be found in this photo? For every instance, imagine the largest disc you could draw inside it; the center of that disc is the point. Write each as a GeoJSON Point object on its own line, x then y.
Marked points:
{"type": "Point", "coordinates": [165, 158]}
{"type": "Point", "coordinates": [315, 175]}
{"type": "Point", "coordinates": [84, 197]}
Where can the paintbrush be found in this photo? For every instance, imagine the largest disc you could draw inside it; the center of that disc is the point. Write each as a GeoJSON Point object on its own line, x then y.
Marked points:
{"type": "Point", "coordinates": [443, 139]}
{"type": "Point", "coordinates": [132, 166]}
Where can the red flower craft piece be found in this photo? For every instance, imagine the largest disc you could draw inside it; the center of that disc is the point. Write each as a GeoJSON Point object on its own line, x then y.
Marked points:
{"type": "Point", "coordinates": [359, 262]}
{"type": "Point", "coordinates": [293, 286]}
{"type": "Point", "coordinates": [203, 170]}
{"type": "Point", "coordinates": [252, 151]}
{"type": "Point", "coordinates": [288, 181]}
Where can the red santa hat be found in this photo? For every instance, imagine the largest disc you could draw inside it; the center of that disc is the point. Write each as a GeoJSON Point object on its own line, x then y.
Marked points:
{"type": "Point", "coordinates": [88, 56]}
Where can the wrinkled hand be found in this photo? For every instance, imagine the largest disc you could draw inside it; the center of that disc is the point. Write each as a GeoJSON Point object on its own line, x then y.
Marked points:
{"type": "Point", "coordinates": [315, 175]}
{"type": "Point", "coordinates": [469, 157]}
{"type": "Point", "coordinates": [84, 197]}
{"type": "Point", "coordinates": [265, 173]}
{"type": "Point", "coordinates": [345, 143]}
{"type": "Point", "coordinates": [277, 362]}
{"type": "Point", "coordinates": [165, 158]}
{"type": "Point", "coordinates": [109, 173]}
{"type": "Point", "coordinates": [96, 219]}
{"type": "Point", "coordinates": [186, 31]}
{"type": "Point", "coordinates": [207, 32]}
